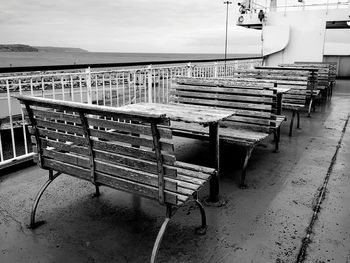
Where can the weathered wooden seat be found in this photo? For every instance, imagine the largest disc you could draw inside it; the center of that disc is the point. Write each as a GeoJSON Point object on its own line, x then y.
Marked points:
{"type": "Point", "coordinates": [126, 151]}
{"type": "Point", "coordinates": [297, 81]}
{"type": "Point", "coordinates": [255, 108]}
{"type": "Point", "coordinates": [327, 74]}
{"type": "Point", "coordinates": [323, 83]}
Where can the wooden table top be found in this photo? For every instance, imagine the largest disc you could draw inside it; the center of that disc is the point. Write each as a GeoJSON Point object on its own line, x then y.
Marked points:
{"type": "Point", "coordinates": [182, 112]}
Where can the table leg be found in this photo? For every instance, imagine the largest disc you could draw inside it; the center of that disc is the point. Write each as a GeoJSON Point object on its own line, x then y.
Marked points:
{"type": "Point", "coordinates": [279, 103]}
{"type": "Point", "coordinates": [214, 149]}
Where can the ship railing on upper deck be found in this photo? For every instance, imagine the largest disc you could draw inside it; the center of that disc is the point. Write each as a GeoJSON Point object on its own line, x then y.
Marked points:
{"type": "Point", "coordinates": [248, 7]}
{"type": "Point", "coordinates": [102, 84]}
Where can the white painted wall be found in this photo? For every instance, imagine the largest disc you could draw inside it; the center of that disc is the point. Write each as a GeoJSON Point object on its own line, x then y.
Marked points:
{"type": "Point", "coordinates": [307, 34]}
{"type": "Point", "coordinates": [270, 35]}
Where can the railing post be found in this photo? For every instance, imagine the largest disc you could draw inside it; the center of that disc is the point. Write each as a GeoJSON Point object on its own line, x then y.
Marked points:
{"type": "Point", "coordinates": [215, 69]}
{"type": "Point", "coordinates": [88, 85]}
{"type": "Point", "coordinates": [149, 83]}
{"type": "Point", "coordinates": [189, 70]}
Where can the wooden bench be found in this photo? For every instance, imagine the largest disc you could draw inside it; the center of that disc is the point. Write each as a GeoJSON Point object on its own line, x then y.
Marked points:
{"type": "Point", "coordinates": [300, 86]}
{"type": "Point", "coordinates": [294, 75]}
{"type": "Point", "coordinates": [323, 76]}
{"type": "Point", "coordinates": [255, 108]}
{"type": "Point", "coordinates": [327, 70]}
{"type": "Point", "coordinates": [282, 77]}
{"type": "Point", "coordinates": [129, 152]}
{"type": "Point", "coordinates": [297, 81]}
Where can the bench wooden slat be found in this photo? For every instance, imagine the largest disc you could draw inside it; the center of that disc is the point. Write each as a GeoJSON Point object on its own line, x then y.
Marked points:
{"type": "Point", "coordinates": [227, 104]}
{"type": "Point", "coordinates": [251, 132]}
{"type": "Point", "coordinates": [228, 90]}
{"type": "Point", "coordinates": [127, 127]}
{"type": "Point", "coordinates": [133, 140]}
{"type": "Point", "coordinates": [134, 163]}
{"type": "Point", "coordinates": [222, 82]}
{"type": "Point", "coordinates": [270, 81]}
{"type": "Point", "coordinates": [142, 153]}
{"type": "Point", "coordinates": [262, 114]}
{"type": "Point", "coordinates": [60, 146]}
{"type": "Point", "coordinates": [269, 76]}
{"type": "Point", "coordinates": [245, 125]}
{"type": "Point", "coordinates": [243, 135]}
{"type": "Point", "coordinates": [250, 120]}
{"type": "Point", "coordinates": [60, 126]}
{"type": "Point", "coordinates": [57, 116]}
{"type": "Point", "coordinates": [228, 97]}
{"type": "Point", "coordinates": [63, 137]}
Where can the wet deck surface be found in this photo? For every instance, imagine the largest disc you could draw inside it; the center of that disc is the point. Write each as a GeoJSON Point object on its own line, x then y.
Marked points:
{"type": "Point", "coordinates": [264, 223]}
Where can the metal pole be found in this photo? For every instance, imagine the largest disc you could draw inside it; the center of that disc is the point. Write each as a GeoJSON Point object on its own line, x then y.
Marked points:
{"type": "Point", "coordinates": [226, 3]}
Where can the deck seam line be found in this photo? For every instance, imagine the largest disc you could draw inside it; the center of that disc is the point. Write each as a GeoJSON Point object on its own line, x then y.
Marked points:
{"type": "Point", "coordinates": [320, 197]}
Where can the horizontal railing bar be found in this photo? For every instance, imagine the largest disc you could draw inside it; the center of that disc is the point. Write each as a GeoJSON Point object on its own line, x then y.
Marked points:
{"type": "Point", "coordinates": [18, 159]}
{"type": "Point", "coordinates": [109, 65]}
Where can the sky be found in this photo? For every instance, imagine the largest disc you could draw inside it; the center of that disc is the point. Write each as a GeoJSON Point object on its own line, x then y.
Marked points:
{"type": "Point", "coordinates": [171, 26]}
{"type": "Point", "coordinates": [181, 26]}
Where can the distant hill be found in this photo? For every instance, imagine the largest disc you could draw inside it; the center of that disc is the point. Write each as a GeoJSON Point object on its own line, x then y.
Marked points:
{"type": "Point", "coordinates": [17, 48]}
{"type": "Point", "coordinates": [60, 49]}
{"type": "Point", "coordinates": [27, 48]}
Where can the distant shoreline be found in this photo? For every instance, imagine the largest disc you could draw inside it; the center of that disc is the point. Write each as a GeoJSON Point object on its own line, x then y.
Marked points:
{"type": "Point", "coordinates": [42, 58]}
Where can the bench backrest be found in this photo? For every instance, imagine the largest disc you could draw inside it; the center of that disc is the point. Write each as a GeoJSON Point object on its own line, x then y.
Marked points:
{"type": "Point", "coordinates": [255, 106]}
{"type": "Point", "coordinates": [271, 74]}
{"type": "Point", "coordinates": [332, 67]}
{"type": "Point", "coordinates": [323, 73]}
{"type": "Point", "coordinates": [119, 149]}
{"type": "Point", "coordinates": [298, 85]}
{"type": "Point", "coordinates": [297, 81]}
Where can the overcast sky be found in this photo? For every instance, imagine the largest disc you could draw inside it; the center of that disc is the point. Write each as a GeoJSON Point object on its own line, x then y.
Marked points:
{"type": "Point", "coordinates": [196, 26]}
{"type": "Point", "coordinates": [187, 26]}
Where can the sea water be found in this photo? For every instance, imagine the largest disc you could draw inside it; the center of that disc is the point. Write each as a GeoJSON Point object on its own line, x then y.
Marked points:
{"type": "Point", "coordinates": [42, 58]}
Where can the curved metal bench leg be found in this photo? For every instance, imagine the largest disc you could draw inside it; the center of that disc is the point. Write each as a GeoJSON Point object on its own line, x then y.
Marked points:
{"type": "Point", "coordinates": [34, 224]}
{"type": "Point", "coordinates": [291, 124]}
{"type": "Point", "coordinates": [310, 107]}
{"type": "Point", "coordinates": [203, 228]}
{"type": "Point", "coordinates": [161, 233]}
{"type": "Point", "coordinates": [244, 172]}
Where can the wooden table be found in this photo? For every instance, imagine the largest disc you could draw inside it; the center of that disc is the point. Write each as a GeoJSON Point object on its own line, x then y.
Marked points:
{"type": "Point", "coordinates": [205, 116]}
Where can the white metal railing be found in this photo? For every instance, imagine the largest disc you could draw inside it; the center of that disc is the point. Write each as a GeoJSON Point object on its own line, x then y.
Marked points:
{"type": "Point", "coordinates": [108, 87]}
{"type": "Point", "coordinates": [254, 6]}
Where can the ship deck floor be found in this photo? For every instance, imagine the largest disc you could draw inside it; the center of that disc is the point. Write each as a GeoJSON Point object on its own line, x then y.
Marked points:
{"type": "Point", "coordinates": [264, 223]}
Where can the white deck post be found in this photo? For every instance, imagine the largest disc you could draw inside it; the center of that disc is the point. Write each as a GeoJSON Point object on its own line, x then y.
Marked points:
{"type": "Point", "coordinates": [149, 83]}
{"type": "Point", "coordinates": [215, 69]}
{"type": "Point", "coordinates": [88, 85]}
{"type": "Point", "coordinates": [189, 69]}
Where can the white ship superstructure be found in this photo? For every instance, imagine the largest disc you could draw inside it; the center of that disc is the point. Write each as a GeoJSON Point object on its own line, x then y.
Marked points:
{"type": "Point", "coordinates": [298, 30]}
